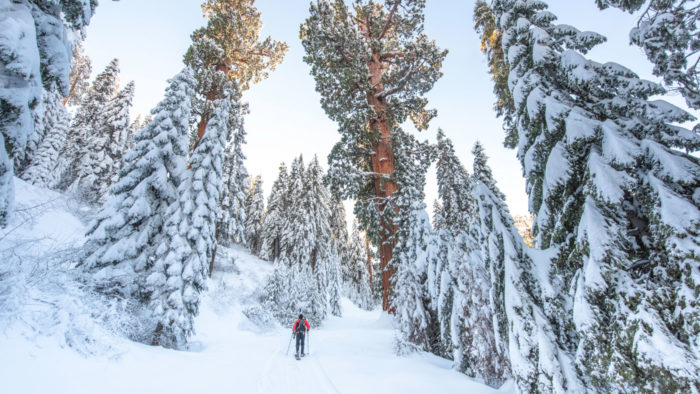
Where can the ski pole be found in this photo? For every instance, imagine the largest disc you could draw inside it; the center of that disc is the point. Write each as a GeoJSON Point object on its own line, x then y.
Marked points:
{"type": "Point", "coordinates": [308, 342]}
{"type": "Point", "coordinates": [289, 344]}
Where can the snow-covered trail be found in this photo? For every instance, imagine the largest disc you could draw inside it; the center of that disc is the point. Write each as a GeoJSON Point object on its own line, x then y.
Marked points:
{"type": "Point", "coordinates": [352, 354]}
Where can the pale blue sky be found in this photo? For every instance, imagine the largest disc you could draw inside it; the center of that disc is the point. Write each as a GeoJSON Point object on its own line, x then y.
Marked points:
{"type": "Point", "coordinates": [150, 36]}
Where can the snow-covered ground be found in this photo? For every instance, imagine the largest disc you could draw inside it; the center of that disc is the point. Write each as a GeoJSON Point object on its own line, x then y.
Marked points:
{"type": "Point", "coordinates": [40, 353]}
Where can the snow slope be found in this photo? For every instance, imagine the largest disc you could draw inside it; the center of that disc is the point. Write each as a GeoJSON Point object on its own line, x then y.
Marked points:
{"type": "Point", "coordinates": [229, 353]}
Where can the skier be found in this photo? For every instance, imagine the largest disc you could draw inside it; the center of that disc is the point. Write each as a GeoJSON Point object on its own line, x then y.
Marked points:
{"type": "Point", "coordinates": [300, 327]}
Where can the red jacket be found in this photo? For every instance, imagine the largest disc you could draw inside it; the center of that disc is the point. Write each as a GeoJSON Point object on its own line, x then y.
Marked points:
{"type": "Point", "coordinates": [294, 327]}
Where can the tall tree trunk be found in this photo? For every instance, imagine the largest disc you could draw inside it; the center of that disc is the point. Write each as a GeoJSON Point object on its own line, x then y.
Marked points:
{"type": "Point", "coordinates": [211, 95]}
{"type": "Point", "coordinates": [383, 167]}
{"type": "Point", "coordinates": [213, 256]}
{"type": "Point", "coordinates": [64, 101]}
{"type": "Point", "coordinates": [369, 265]}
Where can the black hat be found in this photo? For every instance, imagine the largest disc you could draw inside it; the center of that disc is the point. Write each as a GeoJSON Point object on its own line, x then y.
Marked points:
{"type": "Point", "coordinates": [301, 316]}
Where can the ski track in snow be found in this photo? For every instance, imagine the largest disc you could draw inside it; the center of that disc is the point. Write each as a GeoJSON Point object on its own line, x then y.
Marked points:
{"type": "Point", "coordinates": [228, 354]}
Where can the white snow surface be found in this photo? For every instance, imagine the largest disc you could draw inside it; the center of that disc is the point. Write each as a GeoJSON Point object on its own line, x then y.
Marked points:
{"type": "Point", "coordinates": [229, 353]}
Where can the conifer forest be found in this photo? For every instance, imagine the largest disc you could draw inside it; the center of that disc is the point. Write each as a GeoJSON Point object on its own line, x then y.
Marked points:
{"type": "Point", "coordinates": [457, 196]}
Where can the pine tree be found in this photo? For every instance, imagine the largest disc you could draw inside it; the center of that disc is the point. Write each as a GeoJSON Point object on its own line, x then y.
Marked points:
{"type": "Point", "coordinates": [415, 247]}
{"type": "Point", "coordinates": [316, 201]}
{"type": "Point", "coordinates": [339, 237]}
{"type": "Point", "coordinates": [277, 206]}
{"type": "Point", "coordinates": [334, 285]}
{"type": "Point", "coordinates": [297, 237]}
{"type": "Point", "coordinates": [615, 207]}
{"type": "Point", "coordinates": [85, 153]}
{"type": "Point", "coordinates": [517, 321]}
{"type": "Point", "coordinates": [79, 75]}
{"type": "Point", "coordinates": [454, 242]}
{"type": "Point", "coordinates": [372, 65]}
{"type": "Point", "coordinates": [180, 269]}
{"type": "Point", "coordinates": [358, 286]}
{"type": "Point", "coordinates": [325, 252]}
{"type": "Point", "coordinates": [122, 241]}
{"type": "Point", "coordinates": [482, 331]}
{"type": "Point", "coordinates": [36, 55]}
{"type": "Point", "coordinates": [226, 55]}
{"type": "Point", "coordinates": [277, 296]}
{"type": "Point", "coordinates": [255, 209]}
{"type": "Point", "coordinates": [41, 171]}
{"type": "Point", "coordinates": [117, 135]}
{"type": "Point", "coordinates": [231, 219]}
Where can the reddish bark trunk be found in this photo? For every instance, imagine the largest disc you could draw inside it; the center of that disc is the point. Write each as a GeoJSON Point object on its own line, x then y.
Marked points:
{"type": "Point", "coordinates": [70, 91]}
{"type": "Point", "coordinates": [383, 166]}
{"type": "Point", "coordinates": [210, 96]}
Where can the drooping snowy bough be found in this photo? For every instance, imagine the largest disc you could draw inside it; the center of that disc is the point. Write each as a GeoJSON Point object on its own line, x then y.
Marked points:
{"type": "Point", "coordinates": [616, 203]}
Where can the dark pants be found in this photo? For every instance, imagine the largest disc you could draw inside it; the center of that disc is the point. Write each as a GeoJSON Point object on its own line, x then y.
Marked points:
{"type": "Point", "coordinates": [300, 341]}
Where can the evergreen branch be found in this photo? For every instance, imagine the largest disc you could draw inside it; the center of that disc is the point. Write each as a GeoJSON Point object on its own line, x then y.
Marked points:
{"type": "Point", "coordinates": [401, 84]}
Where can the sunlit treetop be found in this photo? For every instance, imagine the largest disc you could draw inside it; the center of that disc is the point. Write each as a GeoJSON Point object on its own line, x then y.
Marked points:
{"type": "Point", "coordinates": [230, 42]}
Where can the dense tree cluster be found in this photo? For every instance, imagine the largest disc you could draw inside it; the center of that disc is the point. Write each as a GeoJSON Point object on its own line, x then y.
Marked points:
{"type": "Point", "coordinates": [305, 234]}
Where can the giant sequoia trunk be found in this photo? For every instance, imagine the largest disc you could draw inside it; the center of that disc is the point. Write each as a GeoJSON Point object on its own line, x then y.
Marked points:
{"type": "Point", "coordinates": [383, 168]}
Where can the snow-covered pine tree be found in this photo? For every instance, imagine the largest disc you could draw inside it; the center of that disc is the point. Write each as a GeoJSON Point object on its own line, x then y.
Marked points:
{"type": "Point", "coordinates": [481, 330]}
{"type": "Point", "coordinates": [122, 241]}
{"type": "Point", "coordinates": [324, 256]}
{"type": "Point", "coordinates": [463, 283]}
{"type": "Point", "coordinates": [85, 153]}
{"type": "Point", "coordinates": [34, 53]}
{"type": "Point", "coordinates": [372, 65]}
{"type": "Point", "coordinates": [454, 242]}
{"type": "Point", "coordinates": [183, 257]}
{"type": "Point", "coordinates": [669, 33]}
{"type": "Point", "coordinates": [616, 209]}
{"type": "Point", "coordinates": [116, 133]}
{"type": "Point", "coordinates": [334, 284]}
{"type": "Point", "coordinates": [339, 236]}
{"type": "Point", "coordinates": [415, 247]}
{"type": "Point", "coordinates": [277, 296]}
{"type": "Point", "coordinates": [316, 202]}
{"type": "Point", "coordinates": [41, 170]}
{"type": "Point", "coordinates": [80, 71]}
{"type": "Point", "coordinates": [231, 220]}
{"type": "Point", "coordinates": [277, 205]}
{"type": "Point", "coordinates": [297, 233]}
{"type": "Point", "coordinates": [523, 338]}
{"type": "Point", "coordinates": [228, 52]}
{"type": "Point", "coordinates": [441, 283]}
{"type": "Point", "coordinates": [357, 285]}
{"type": "Point", "coordinates": [304, 296]}
{"type": "Point", "coordinates": [255, 209]}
